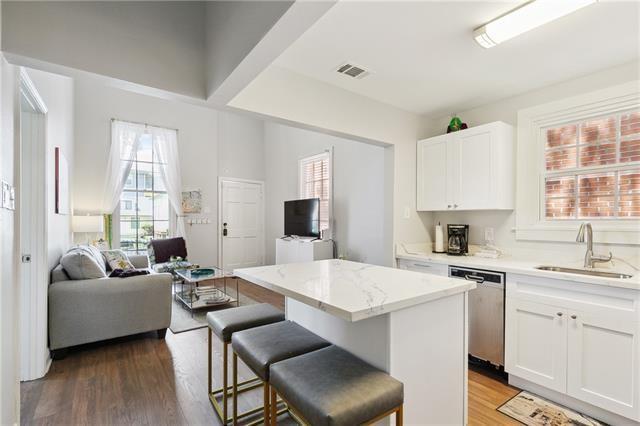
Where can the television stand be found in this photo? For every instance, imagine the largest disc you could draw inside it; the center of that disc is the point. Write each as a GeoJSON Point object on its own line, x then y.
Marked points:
{"type": "Point", "coordinates": [302, 250]}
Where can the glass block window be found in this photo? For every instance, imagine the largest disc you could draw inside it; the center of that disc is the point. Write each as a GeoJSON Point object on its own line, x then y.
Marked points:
{"type": "Point", "coordinates": [592, 168]}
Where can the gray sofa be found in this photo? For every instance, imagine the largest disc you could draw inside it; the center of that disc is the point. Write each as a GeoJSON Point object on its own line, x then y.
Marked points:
{"type": "Point", "coordinates": [84, 311]}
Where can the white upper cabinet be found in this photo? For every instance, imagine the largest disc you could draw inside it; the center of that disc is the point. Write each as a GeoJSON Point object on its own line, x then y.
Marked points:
{"type": "Point", "coordinates": [472, 169]}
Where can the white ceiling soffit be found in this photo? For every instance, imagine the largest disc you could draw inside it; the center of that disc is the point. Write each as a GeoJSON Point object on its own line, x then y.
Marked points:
{"type": "Point", "coordinates": [427, 62]}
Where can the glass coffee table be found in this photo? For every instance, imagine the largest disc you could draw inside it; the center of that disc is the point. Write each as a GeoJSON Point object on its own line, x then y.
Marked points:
{"type": "Point", "coordinates": [198, 288]}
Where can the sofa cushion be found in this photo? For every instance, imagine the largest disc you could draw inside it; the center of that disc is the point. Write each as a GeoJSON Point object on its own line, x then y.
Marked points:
{"type": "Point", "coordinates": [81, 263]}
{"type": "Point", "coordinates": [117, 259]}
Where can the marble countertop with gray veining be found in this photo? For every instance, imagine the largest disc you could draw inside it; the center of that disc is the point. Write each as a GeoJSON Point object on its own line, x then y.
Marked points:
{"type": "Point", "coordinates": [350, 290]}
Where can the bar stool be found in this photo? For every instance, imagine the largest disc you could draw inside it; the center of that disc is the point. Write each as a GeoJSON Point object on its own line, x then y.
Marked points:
{"type": "Point", "coordinates": [262, 346]}
{"type": "Point", "coordinates": [330, 386]}
{"type": "Point", "coordinates": [223, 324]}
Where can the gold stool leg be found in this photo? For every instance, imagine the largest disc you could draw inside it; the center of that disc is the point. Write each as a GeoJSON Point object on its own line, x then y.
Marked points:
{"type": "Point", "coordinates": [265, 396]}
{"type": "Point", "coordinates": [225, 384]}
{"type": "Point", "coordinates": [274, 407]}
{"type": "Point", "coordinates": [399, 419]}
{"type": "Point", "coordinates": [235, 388]}
{"type": "Point", "coordinates": [209, 377]}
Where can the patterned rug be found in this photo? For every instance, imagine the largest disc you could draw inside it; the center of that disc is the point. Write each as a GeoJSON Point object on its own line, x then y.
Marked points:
{"type": "Point", "coordinates": [532, 410]}
{"type": "Point", "coordinates": [182, 320]}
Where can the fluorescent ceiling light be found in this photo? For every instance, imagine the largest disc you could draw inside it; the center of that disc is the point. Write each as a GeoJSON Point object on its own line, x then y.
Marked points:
{"type": "Point", "coordinates": [527, 17]}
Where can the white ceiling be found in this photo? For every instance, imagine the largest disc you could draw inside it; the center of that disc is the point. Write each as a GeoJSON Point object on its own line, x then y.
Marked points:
{"type": "Point", "coordinates": [424, 59]}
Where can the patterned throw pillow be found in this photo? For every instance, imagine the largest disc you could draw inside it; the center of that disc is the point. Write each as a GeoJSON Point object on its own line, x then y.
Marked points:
{"type": "Point", "coordinates": [151, 254]}
{"type": "Point", "coordinates": [117, 259]}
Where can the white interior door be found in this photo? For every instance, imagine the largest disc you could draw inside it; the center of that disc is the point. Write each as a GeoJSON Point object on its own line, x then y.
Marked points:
{"type": "Point", "coordinates": [34, 273]}
{"type": "Point", "coordinates": [241, 223]}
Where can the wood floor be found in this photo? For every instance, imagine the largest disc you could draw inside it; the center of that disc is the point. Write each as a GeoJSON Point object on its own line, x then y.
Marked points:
{"type": "Point", "coordinates": [143, 380]}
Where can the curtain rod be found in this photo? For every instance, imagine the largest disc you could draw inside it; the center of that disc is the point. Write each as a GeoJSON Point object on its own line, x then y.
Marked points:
{"type": "Point", "coordinates": [144, 124]}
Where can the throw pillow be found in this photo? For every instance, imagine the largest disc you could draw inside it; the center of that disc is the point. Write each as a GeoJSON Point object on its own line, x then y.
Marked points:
{"type": "Point", "coordinates": [117, 259]}
{"type": "Point", "coordinates": [80, 264]}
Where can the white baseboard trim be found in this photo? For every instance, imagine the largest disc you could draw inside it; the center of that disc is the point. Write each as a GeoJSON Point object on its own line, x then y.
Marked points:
{"type": "Point", "coordinates": [575, 404]}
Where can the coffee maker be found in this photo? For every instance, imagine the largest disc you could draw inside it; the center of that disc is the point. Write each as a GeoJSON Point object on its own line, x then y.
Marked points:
{"type": "Point", "coordinates": [457, 239]}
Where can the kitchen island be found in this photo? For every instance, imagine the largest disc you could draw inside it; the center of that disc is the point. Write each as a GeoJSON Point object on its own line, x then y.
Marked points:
{"type": "Point", "coordinates": [412, 325]}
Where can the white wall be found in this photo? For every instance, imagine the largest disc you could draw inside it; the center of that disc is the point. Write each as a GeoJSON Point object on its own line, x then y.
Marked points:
{"type": "Point", "coordinates": [507, 110]}
{"type": "Point", "coordinates": [9, 286]}
{"type": "Point", "coordinates": [358, 182]}
{"type": "Point", "coordinates": [57, 93]}
{"type": "Point", "coordinates": [297, 100]}
{"type": "Point", "coordinates": [157, 44]}
{"type": "Point", "coordinates": [201, 134]}
{"type": "Point", "coordinates": [240, 147]}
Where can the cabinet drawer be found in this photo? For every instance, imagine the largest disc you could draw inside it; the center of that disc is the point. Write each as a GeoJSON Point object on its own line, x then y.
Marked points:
{"type": "Point", "coordinates": [591, 298]}
{"type": "Point", "coordinates": [425, 267]}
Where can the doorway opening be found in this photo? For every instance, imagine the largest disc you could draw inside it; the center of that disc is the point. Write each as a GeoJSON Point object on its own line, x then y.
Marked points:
{"type": "Point", "coordinates": [34, 270]}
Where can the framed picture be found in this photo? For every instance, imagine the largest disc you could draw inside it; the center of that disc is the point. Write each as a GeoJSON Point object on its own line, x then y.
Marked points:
{"type": "Point", "coordinates": [62, 182]}
{"type": "Point", "coordinates": [192, 201]}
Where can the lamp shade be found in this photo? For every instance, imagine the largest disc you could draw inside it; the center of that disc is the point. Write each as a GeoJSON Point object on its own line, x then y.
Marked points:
{"type": "Point", "coordinates": [87, 224]}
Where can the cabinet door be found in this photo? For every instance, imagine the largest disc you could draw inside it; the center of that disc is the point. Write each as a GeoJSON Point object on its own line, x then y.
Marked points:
{"type": "Point", "coordinates": [432, 173]}
{"type": "Point", "coordinates": [603, 358]}
{"type": "Point", "coordinates": [536, 343]}
{"type": "Point", "coordinates": [474, 169]}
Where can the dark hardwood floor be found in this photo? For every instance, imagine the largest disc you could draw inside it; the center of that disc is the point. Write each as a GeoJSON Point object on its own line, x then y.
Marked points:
{"type": "Point", "coordinates": [146, 381]}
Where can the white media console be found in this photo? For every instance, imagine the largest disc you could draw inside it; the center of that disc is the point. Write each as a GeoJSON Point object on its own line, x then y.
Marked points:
{"type": "Point", "coordinates": [302, 250]}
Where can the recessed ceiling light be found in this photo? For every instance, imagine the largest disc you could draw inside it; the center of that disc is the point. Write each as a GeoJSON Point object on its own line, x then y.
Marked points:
{"type": "Point", "coordinates": [526, 17]}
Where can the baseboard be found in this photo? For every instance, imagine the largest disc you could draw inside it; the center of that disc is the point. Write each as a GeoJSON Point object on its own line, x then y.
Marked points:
{"type": "Point", "coordinates": [575, 404]}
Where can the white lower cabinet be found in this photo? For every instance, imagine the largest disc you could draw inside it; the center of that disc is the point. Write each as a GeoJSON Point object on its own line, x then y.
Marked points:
{"type": "Point", "coordinates": [602, 362]}
{"type": "Point", "coordinates": [581, 340]}
{"type": "Point", "coordinates": [536, 337]}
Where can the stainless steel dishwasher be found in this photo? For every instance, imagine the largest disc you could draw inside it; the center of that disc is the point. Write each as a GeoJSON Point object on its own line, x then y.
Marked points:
{"type": "Point", "coordinates": [486, 313]}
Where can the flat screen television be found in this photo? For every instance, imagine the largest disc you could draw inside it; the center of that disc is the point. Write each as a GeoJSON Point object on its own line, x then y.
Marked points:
{"type": "Point", "coordinates": [302, 218]}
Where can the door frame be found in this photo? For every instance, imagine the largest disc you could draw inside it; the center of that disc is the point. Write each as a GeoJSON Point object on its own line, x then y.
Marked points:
{"type": "Point", "coordinates": [262, 213]}
{"type": "Point", "coordinates": [34, 347]}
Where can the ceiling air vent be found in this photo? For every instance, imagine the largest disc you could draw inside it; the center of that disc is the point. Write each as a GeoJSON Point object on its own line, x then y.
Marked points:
{"type": "Point", "coordinates": [352, 71]}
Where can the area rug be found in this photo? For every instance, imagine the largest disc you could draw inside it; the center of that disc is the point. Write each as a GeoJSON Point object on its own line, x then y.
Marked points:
{"type": "Point", "coordinates": [532, 410]}
{"type": "Point", "coordinates": [182, 320]}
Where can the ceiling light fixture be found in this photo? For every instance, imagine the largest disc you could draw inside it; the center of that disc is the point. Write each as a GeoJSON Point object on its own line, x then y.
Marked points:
{"type": "Point", "coordinates": [526, 17]}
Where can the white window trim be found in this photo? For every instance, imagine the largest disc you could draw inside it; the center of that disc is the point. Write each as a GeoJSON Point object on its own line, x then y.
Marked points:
{"type": "Point", "coordinates": [328, 154]}
{"type": "Point", "coordinates": [530, 225]}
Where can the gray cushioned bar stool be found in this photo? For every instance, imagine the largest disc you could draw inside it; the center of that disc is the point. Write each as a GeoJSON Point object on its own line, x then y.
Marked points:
{"type": "Point", "coordinates": [223, 324]}
{"type": "Point", "coordinates": [332, 387]}
{"type": "Point", "coordinates": [262, 346]}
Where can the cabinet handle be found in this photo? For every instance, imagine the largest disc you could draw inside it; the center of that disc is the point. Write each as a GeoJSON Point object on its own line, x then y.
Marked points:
{"type": "Point", "coordinates": [574, 316]}
{"type": "Point", "coordinates": [559, 314]}
{"type": "Point", "coordinates": [448, 206]}
{"type": "Point", "coordinates": [455, 206]}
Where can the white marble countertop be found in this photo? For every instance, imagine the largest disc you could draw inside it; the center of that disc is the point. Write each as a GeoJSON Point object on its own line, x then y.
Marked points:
{"type": "Point", "coordinates": [522, 266]}
{"type": "Point", "coordinates": [350, 290]}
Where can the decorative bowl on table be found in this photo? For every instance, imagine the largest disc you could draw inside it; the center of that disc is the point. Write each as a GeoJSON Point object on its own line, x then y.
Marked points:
{"type": "Point", "coordinates": [201, 272]}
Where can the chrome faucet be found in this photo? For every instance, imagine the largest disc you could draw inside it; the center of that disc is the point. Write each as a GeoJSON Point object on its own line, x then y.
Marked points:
{"type": "Point", "coordinates": [589, 258]}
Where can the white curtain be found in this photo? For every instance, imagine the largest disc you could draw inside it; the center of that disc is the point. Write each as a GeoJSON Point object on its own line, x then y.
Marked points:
{"type": "Point", "coordinates": [166, 148]}
{"type": "Point", "coordinates": [125, 138]}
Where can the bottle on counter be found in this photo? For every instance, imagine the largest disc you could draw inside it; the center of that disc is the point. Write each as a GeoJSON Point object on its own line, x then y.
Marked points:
{"type": "Point", "coordinates": [439, 247]}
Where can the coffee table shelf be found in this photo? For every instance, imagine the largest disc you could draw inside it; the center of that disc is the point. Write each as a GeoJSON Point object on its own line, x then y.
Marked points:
{"type": "Point", "coordinates": [194, 295]}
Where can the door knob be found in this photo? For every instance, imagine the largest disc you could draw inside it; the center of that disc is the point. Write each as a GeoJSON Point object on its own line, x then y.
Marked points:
{"type": "Point", "coordinates": [224, 229]}
{"type": "Point", "coordinates": [448, 206]}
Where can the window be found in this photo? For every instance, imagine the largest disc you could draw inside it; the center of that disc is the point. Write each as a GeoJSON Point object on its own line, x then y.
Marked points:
{"type": "Point", "coordinates": [315, 182]}
{"type": "Point", "coordinates": [592, 168]}
{"type": "Point", "coordinates": [144, 203]}
{"type": "Point", "coordinates": [578, 159]}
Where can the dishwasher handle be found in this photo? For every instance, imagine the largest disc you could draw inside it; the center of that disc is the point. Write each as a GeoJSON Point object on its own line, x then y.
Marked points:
{"type": "Point", "coordinates": [475, 278]}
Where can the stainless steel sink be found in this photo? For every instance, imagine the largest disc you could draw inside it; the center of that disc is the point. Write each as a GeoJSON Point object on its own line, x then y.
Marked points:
{"type": "Point", "coordinates": [583, 272]}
